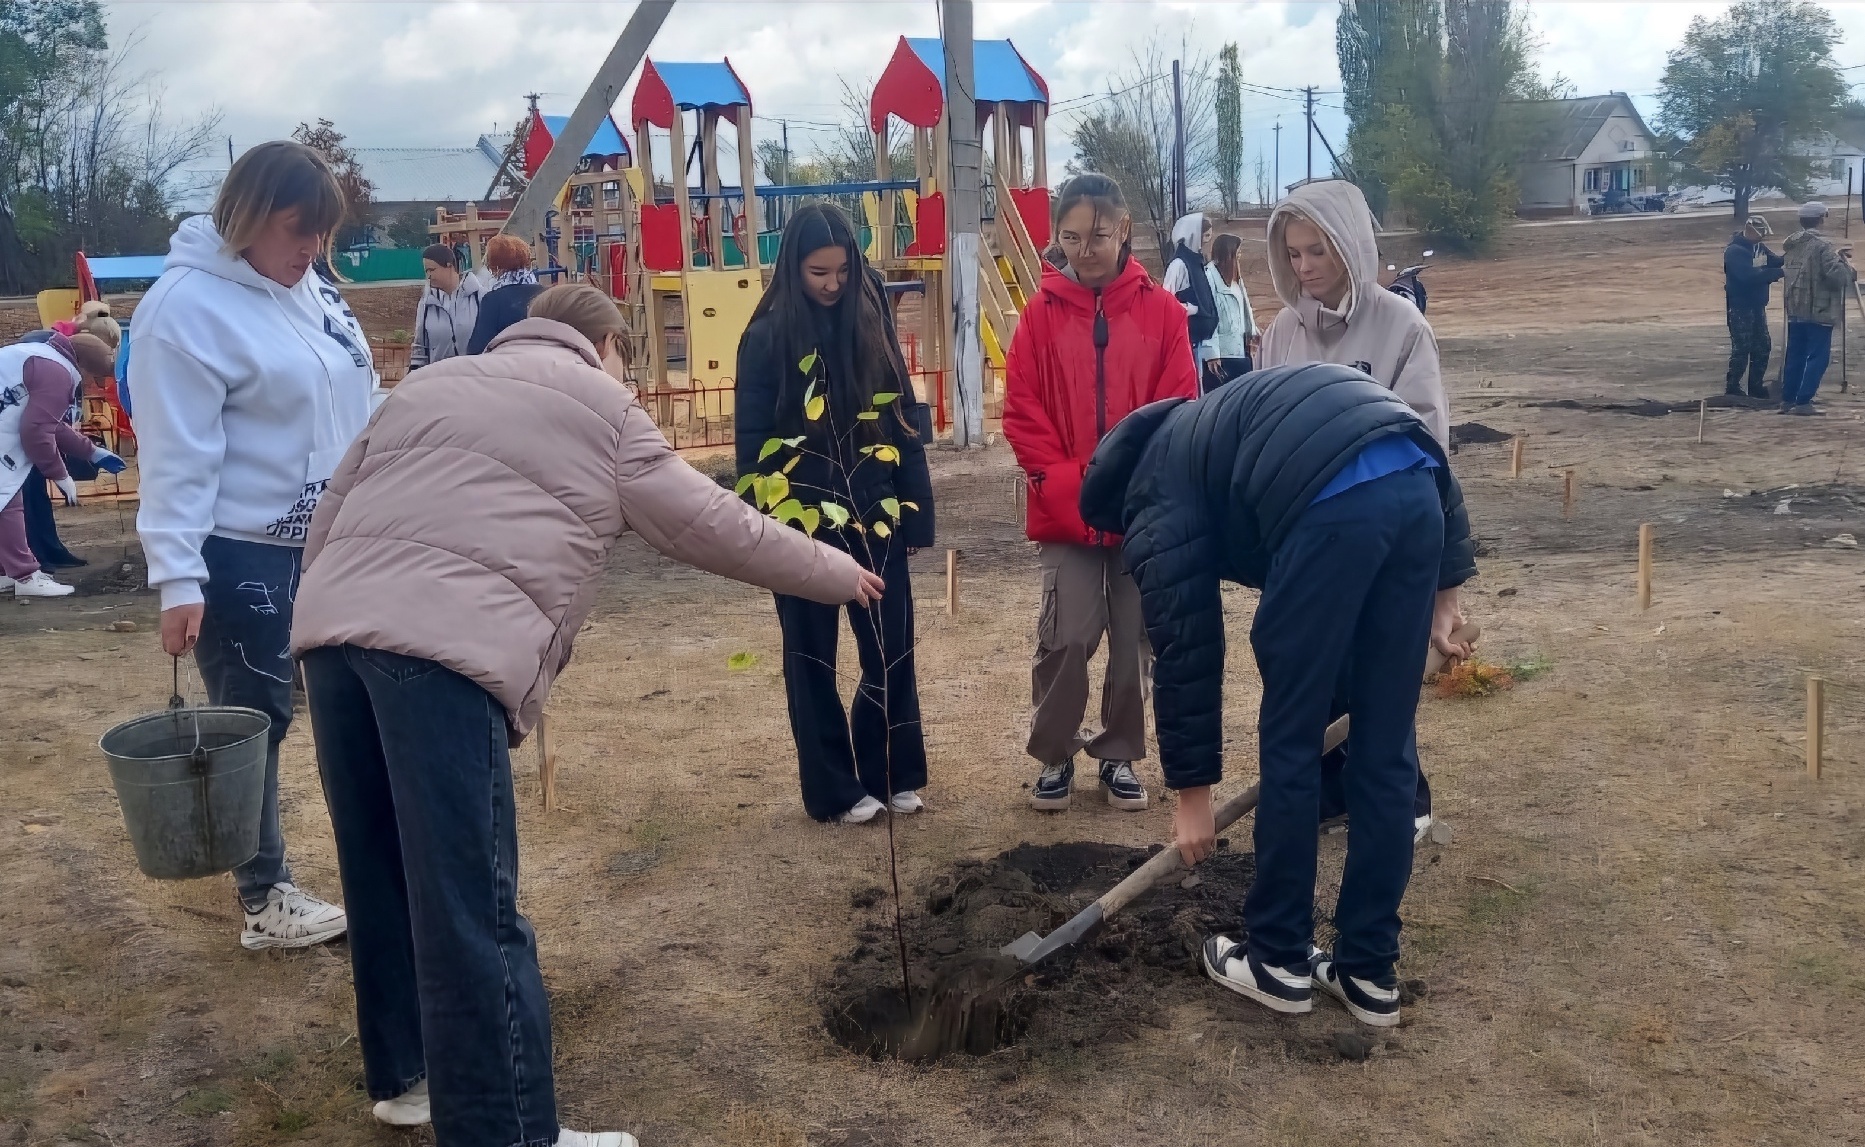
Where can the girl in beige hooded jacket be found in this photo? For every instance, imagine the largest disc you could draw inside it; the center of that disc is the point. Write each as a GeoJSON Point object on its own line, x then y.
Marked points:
{"type": "Point", "coordinates": [1336, 311]}
{"type": "Point", "coordinates": [450, 564]}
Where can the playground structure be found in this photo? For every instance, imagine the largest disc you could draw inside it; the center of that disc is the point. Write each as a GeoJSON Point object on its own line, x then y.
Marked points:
{"type": "Point", "coordinates": [1011, 98]}
{"type": "Point", "coordinates": [688, 260]}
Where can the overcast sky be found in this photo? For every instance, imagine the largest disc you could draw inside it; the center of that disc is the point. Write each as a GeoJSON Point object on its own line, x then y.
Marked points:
{"type": "Point", "coordinates": [413, 74]}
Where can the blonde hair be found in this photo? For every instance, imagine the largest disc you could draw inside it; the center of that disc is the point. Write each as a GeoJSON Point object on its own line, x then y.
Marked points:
{"type": "Point", "coordinates": [586, 310]}
{"type": "Point", "coordinates": [274, 177]}
{"type": "Point", "coordinates": [507, 253]}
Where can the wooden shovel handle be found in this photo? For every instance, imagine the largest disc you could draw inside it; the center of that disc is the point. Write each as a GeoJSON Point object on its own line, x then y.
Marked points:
{"type": "Point", "coordinates": [1167, 860]}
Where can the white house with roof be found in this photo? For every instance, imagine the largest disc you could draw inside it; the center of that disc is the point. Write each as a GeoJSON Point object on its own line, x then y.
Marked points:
{"type": "Point", "coordinates": [1582, 148]}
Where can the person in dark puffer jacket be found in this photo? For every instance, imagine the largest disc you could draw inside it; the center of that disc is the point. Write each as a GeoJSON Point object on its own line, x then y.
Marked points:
{"type": "Point", "coordinates": [1323, 489]}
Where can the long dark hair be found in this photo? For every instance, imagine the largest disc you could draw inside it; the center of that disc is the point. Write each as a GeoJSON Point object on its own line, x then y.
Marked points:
{"type": "Point", "coordinates": [1225, 256]}
{"type": "Point", "coordinates": [860, 359]}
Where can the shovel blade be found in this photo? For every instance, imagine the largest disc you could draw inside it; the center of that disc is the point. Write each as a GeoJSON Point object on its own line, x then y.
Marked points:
{"type": "Point", "coordinates": [1023, 947]}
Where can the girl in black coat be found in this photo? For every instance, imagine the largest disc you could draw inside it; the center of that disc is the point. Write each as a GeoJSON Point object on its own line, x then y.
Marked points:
{"type": "Point", "coordinates": [819, 365]}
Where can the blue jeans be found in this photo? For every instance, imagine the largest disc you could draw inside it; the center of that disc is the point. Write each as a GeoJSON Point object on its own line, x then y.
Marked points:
{"type": "Point", "coordinates": [1351, 586]}
{"type": "Point", "coordinates": [244, 656]}
{"type": "Point", "coordinates": [418, 778]}
{"type": "Point", "coordinates": [1809, 353]}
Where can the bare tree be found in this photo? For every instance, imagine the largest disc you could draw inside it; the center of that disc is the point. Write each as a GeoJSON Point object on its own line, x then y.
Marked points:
{"type": "Point", "coordinates": [1127, 134]}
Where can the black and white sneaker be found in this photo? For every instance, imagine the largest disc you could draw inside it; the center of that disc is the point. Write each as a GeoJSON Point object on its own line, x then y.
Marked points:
{"type": "Point", "coordinates": [1054, 786]}
{"type": "Point", "coordinates": [1374, 1002]}
{"type": "Point", "coordinates": [1124, 789]}
{"type": "Point", "coordinates": [1285, 990]}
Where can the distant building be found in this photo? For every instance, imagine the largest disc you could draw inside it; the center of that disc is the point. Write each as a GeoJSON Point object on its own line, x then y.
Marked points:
{"type": "Point", "coordinates": [1585, 147]}
{"type": "Point", "coordinates": [1837, 156]}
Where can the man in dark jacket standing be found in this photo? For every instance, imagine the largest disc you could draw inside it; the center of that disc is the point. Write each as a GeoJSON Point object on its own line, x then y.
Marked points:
{"type": "Point", "coordinates": [1745, 293]}
{"type": "Point", "coordinates": [1318, 486]}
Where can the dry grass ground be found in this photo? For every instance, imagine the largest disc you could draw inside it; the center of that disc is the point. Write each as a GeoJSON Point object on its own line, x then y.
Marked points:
{"type": "Point", "coordinates": [1646, 929]}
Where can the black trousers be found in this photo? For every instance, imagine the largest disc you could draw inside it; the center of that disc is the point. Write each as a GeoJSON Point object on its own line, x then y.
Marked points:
{"type": "Point", "coordinates": [1749, 347]}
{"type": "Point", "coordinates": [838, 769]}
{"type": "Point", "coordinates": [41, 526]}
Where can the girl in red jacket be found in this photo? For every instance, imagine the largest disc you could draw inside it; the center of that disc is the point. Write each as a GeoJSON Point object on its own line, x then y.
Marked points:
{"type": "Point", "coordinates": [1097, 342]}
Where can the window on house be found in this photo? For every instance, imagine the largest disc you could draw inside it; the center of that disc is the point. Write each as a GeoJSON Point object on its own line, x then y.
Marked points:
{"type": "Point", "coordinates": [1592, 182]}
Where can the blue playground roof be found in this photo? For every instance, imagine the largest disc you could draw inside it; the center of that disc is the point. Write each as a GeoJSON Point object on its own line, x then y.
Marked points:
{"type": "Point", "coordinates": [126, 266]}
{"type": "Point", "coordinates": [998, 71]}
{"type": "Point", "coordinates": [702, 85]}
{"type": "Point", "coordinates": [606, 141]}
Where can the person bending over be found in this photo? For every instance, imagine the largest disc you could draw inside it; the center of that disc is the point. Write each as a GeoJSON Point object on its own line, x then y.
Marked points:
{"type": "Point", "coordinates": [1316, 485]}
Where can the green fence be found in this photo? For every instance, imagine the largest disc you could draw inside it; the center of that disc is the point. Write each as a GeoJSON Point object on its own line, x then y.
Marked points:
{"type": "Point", "coordinates": [380, 264]}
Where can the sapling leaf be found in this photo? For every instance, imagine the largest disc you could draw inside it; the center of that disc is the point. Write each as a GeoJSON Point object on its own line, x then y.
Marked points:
{"type": "Point", "coordinates": [911, 505]}
{"type": "Point", "coordinates": [855, 525]}
{"type": "Point", "coordinates": [891, 506]}
{"type": "Point", "coordinates": [741, 661]}
{"type": "Point", "coordinates": [837, 514]}
{"type": "Point", "coordinates": [791, 465]}
{"type": "Point", "coordinates": [745, 483]}
{"type": "Point", "coordinates": [885, 397]}
{"type": "Point", "coordinates": [810, 518]}
{"type": "Point", "coordinates": [809, 391]}
{"type": "Point", "coordinates": [868, 416]}
{"type": "Point", "coordinates": [881, 529]}
{"type": "Point", "coordinates": [807, 363]}
{"type": "Point", "coordinates": [770, 447]}
{"type": "Point", "coordinates": [788, 510]}
{"type": "Point", "coordinates": [797, 441]}
{"type": "Point", "coordinates": [812, 409]}
{"type": "Point", "coordinates": [776, 489]}
{"type": "Point", "coordinates": [886, 453]}
{"type": "Point", "coordinates": [866, 450]}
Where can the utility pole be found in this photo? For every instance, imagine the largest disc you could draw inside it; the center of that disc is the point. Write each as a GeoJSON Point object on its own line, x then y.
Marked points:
{"type": "Point", "coordinates": [1178, 144]}
{"type": "Point", "coordinates": [1308, 111]}
{"type": "Point", "coordinates": [966, 212]}
{"type": "Point", "coordinates": [777, 203]}
{"type": "Point", "coordinates": [1277, 190]}
{"type": "Point", "coordinates": [527, 218]}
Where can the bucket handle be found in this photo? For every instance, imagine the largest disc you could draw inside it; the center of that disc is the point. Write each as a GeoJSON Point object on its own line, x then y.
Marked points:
{"type": "Point", "coordinates": [174, 696]}
{"type": "Point", "coordinates": [197, 760]}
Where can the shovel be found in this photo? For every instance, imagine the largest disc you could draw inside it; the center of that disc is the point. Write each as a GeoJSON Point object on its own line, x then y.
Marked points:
{"type": "Point", "coordinates": [1030, 948]}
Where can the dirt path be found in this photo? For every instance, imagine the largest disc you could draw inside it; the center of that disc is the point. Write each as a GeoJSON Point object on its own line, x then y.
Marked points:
{"type": "Point", "coordinates": [1646, 928]}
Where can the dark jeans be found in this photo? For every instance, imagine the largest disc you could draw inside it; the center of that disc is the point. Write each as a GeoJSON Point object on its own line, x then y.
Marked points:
{"type": "Point", "coordinates": [1809, 352]}
{"type": "Point", "coordinates": [244, 656]}
{"type": "Point", "coordinates": [1352, 585]}
{"type": "Point", "coordinates": [836, 771]}
{"type": "Point", "coordinates": [41, 525]}
{"type": "Point", "coordinates": [1749, 348]}
{"type": "Point", "coordinates": [419, 783]}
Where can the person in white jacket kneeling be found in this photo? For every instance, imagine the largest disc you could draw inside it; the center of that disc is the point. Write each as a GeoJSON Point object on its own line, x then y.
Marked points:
{"type": "Point", "coordinates": [251, 377]}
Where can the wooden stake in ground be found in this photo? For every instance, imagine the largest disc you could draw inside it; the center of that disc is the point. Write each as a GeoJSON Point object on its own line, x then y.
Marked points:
{"type": "Point", "coordinates": [1644, 565]}
{"type": "Point", "coordinates": [1567, 495]}
{"type": "Point", "coordinates": [546, 763]}
{"type": "Point", "coordinates": [1816, 723]}
{"type": "Point", "coordinates": [951, 582]}
{"type": "Point", "coordinates": [1703, 413]}
{"type": "Point", "coordinates": [1515, 457]}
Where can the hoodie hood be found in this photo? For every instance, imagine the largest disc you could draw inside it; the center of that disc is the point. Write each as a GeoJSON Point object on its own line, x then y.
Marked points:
{"type": "Point", "coordinates": [1117, 296]}
{"type": "Point", "coordinates": [197, 245]}
{"type": "Point", "coordinates": [1189, 230]}
{"type": "Point", "coordinates": [1339, 209]}
{"type": "Point", "coordinates": [1801, 238]}
{"type": "Point", "coordinates": [1110, 471]}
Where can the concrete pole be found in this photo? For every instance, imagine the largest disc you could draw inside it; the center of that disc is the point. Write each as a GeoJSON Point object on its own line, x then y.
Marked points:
{"type": "Point", "coordinates": [527, 218]}
{"type": "Point", "coordinates": [964, 212]}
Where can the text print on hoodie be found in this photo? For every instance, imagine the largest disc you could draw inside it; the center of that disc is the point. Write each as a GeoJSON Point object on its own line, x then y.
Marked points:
{"type": "Point", "coordinates": [247, 395]}
{"type": "Point", "coordinates": [1375, 331]}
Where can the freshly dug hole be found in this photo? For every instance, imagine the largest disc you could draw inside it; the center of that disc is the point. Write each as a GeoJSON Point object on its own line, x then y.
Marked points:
{"type": "Point", "coordinates": [969, 999]}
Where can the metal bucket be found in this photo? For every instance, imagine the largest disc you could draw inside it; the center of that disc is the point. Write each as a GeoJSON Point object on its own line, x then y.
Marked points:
{"type": "Point", "coordinates": [192, 784]}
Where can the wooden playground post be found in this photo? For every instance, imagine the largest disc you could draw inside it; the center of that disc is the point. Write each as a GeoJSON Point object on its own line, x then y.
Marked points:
{"type": "Point", "coordinates": [709, 177]}
{"type": "Point", "coordinates": [1039, 153]}
{"type": "Point", "coordinates": [1816, 723]}
{"type": "Point", "coordinates": [951, 582]}
{"type": "Point", "coordinates": [676, 135]}
{"type": "Point", "coordinates": [1567, 495]}
{"type": "Point", "coordinates": [1644, 565]}
{"type": "Point", "coordinates": [1515, 457]}
{"type": "Point", "coordinates": [748, 182]}
{"type": "Point", "coordinates": [546, 763]}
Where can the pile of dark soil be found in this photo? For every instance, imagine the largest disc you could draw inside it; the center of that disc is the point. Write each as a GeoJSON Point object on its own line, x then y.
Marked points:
{"type": "Point", "coordinates": [1476, 434]}
{"type": "Point", "coordinates": [1127, 976]}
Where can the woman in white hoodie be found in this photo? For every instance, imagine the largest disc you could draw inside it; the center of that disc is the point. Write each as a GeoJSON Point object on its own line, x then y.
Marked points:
{"type": "Point", "coordinates": [251, 377]}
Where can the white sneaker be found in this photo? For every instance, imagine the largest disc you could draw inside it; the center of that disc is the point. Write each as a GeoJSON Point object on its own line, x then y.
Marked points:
{"type": "Point", "coordinates": [866, 810]}
{"type": "Point", "coordinates": [409, 1109]}
{"type": "Point", "coordinates": [907, 803]}
{"type": "Point", "coordinates": [569, 1138]}
{"type": "Point", "coordinates": [1420, 827]}
{"type": "Point", "coordinates": [40, 584]}
{"type": "Point", "coordinates": [292, 919]}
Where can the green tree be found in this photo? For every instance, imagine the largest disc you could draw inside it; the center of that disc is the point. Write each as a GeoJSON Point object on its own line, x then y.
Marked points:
{"type": "Point", "coordinates": [1747, 90]}
{"type": "Point", "coordinates": [1229, 128]}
